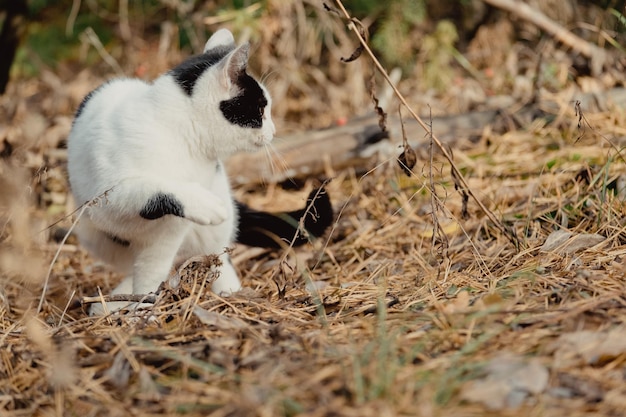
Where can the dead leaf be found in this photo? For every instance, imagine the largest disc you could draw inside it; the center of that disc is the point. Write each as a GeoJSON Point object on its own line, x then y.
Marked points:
{"type": "Point", "coordinates": [568, 386]}
{"type": "Point", "coordinates": [563, 242]}
{"type": "Point", "coordinates": [449, 228]}
{"type": "Point", "coordinates": [119, 372]}
{"type": "Point", "coordinates": [589, 347]}
{"type": "Point", "coordinates": [316, 286]}
{"type": "Point", "coordinates": [211, 318]}
{"type": "Point", "coordinates": [459, 304]}
{"type": "Point", "coordinates": [509, 381]}
{"type": "Point", "coordinates": [492, 299]}
{"type": "Point", "coordinates": [407, 160]}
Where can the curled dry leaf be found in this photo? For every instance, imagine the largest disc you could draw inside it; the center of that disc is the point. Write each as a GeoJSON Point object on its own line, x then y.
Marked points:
{"type": "Point", "coordinates": [359, 49]}
{"type": "Point", "coordinates": [464, 194]}
{"type": "Point", "coordinates": [355, 55]}
{"type": "Point", "coordinates": [382, 115]}
{"type": "Point", "coordinates": [407, 160]}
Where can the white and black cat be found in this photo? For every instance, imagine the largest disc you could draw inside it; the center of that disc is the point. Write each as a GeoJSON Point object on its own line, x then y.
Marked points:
{"type": "Point", "coordinates": [152, 151]}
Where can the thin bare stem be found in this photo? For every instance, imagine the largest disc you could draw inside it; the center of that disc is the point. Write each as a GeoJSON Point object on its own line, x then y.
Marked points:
{"type": "Point", "coordinates": [81, 211]}
{"type": "Point", "coordinates": [56, 256]}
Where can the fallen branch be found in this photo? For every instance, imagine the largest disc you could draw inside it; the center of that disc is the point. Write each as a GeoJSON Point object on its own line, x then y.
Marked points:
{"type": "Point", "coordinates": [353, 145]}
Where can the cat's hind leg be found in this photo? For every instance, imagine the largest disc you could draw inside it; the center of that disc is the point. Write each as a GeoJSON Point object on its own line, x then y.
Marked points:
{"type": "Point", "coordinates": [154, 260]}
{"type": "Point", "coordinates": [153, 256]}
{"type": "Point", "coordinates": [104, 246]}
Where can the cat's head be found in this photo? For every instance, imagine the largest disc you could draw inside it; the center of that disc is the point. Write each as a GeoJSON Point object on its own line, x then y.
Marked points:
{"type": "Point", "coordinates": [236, 107]}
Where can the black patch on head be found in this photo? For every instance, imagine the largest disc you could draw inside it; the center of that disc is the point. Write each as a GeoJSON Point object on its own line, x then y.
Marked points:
{"type": "Point", "coordinates": [246, 109]}
{"type": "Point", "coordinates": [186, 74]}
{"type": "Point", "coordinates": [83, 103]}
{"type": "Point", "coordinates": [160, 205]}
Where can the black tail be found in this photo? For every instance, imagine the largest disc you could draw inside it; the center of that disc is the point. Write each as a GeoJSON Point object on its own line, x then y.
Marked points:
{"type": "Point", "coordinates": [272, 230]}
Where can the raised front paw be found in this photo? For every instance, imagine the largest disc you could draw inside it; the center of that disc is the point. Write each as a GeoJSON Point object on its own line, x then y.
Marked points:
{"type": "Point", "coordinates": [206, 208]}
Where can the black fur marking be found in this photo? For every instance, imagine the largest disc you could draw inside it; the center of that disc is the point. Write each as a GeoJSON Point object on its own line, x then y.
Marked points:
{"type": "Point", "coordinates": [83, 103]}
{"type": "Point", "coordinates": [186, 74]}
{"type": "Point", "coordinates": [270, 230]}
{"type": "Point", "coordinates": [160, 205]}
{"type": "Point", "coordinates": [246, 109]}
{"type": "Point", "coordinates": [122, 242]}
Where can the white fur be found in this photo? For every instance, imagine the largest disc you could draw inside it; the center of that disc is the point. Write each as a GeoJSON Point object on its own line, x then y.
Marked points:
{"type": "Point", "coordinates": [135, 139]}
{"type": "Point", "coordinates": [222, 37]}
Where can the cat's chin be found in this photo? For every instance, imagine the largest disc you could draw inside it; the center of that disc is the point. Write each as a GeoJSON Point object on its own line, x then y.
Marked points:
{"type": "Point", "coordinates": [260, 143]}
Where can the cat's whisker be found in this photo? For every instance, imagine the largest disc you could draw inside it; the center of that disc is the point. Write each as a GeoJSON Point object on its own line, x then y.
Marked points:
{"type": "Point", "coordinates": [265, 78]}
{"type": "Point", "coordinates": [278, 158]}
{"type": "Point", "coordinates": [285, 170]}
{"type": "Point", "coordinates": [270, 160]}
{"type": "Point", "coordinates": [277, 164]}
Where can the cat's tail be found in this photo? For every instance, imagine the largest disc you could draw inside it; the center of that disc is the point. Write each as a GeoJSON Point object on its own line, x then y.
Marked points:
{"type": "Point", "coordinates": [275, 230]}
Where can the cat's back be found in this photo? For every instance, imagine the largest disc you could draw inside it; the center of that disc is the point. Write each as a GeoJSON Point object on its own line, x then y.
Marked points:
{"type": "Point", "coordinates": [112, 99]}
{"type": "Point", "coordinates": [107, 119]}
{"type": "Point", "coordinates": [98, 141]}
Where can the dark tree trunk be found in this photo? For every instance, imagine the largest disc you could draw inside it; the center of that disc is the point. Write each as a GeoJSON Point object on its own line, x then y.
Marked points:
{"type": "Point", "coordinates": [13, 28]}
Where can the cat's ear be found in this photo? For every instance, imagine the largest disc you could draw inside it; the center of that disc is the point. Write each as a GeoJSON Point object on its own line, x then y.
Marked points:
{"type": "Point", "coordinates": [222, 37]}
{"type": "Point", "coordinates": [235, 64]}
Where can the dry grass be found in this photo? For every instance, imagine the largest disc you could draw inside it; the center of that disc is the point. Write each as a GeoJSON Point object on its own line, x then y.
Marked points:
{"type": "Point", "coordinates": [371, 322]}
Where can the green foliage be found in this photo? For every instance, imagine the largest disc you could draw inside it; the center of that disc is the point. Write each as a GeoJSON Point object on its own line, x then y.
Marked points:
{"type": "Point", "coordinates": [36, 6]}
{"type": "Point", "coordinates": [375, 365]}
{"type": "Point", "coordinates": [439, 50]}
{"type": "Point", "coordinates": [242, 16]}
{"type": "Point", "coordinates": [393, 39]}
{"type": "Point", "coordinates": [47, 40]}
{"type": "Point", "coordinates": [362, 8]}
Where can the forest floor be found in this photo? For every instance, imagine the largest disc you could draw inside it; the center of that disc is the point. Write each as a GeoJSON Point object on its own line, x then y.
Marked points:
{"type": "Point", "coordinates": [375, 319]}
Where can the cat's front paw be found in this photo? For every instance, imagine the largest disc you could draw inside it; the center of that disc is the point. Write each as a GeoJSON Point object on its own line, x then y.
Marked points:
{"type": "Point", "coordinates": [206, 209]}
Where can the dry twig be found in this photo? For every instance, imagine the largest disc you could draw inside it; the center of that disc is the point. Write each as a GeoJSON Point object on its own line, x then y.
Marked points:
{"type": "Point", "coordinates": [131, 298]}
